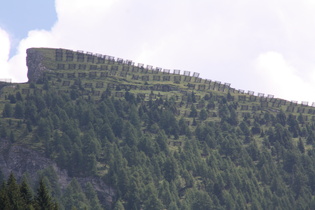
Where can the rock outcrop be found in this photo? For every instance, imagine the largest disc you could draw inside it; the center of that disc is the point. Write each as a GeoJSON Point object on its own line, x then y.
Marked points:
{"type": "Point", "coordinates": [34, 62]}
{"type": "Point", "coordinates": [20, 160]}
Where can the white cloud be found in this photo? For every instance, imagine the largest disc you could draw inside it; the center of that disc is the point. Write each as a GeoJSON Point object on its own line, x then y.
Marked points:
{"type": "Point", "coordinates": [278, 75]}
{"type": "Point", "coordinates": [17, 64]}
{"type": "Point", "coordinates": [239, 42]}
{"type": "Point", "coordinates": [4, 54]}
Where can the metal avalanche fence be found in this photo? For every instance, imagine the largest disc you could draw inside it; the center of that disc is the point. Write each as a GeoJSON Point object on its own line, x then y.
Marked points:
{"type": "Point", "coordinates": [81, 56]}
{"type": "Point", "coordinates": [6, 80]}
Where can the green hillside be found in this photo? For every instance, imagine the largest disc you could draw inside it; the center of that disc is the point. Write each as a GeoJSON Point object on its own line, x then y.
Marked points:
{"type": "Point", "coordinates": [160, 139]}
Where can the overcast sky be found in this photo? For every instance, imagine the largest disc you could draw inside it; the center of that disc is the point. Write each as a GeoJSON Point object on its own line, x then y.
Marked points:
{"type": "Point", "coordinates": [262, 46]}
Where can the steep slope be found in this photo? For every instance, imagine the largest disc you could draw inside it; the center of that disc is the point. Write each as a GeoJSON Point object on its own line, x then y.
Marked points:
{"type": "Point", "coordinates": [159, 139]}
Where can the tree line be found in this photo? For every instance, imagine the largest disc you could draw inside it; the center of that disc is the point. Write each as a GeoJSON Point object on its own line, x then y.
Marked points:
{"type": "Point", "coordinates": [261, 160]}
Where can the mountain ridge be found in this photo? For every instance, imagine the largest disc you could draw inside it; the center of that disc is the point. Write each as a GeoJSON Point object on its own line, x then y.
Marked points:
{"type": "Point", "coordinates": [159, 139]}
{"type": "Point", "coordinates": [69, 66]}
{"type": "Point", "coordinates": [68, 56]}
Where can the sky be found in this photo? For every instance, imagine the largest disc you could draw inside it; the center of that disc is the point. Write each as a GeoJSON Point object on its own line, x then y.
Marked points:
{"type": "Point", "coordinates": [262, 46]}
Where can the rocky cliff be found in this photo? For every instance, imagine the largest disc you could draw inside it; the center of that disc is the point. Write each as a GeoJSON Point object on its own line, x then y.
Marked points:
{"type": "Point", "coordinates": [20, 160]}
{"type": "Point", "coordinates": [34, 62]}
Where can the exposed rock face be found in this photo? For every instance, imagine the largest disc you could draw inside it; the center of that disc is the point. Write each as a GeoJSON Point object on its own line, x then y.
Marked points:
{"type": "Point", "coordinates": [19, 160]}
{"type": "Point", "coordinates": [34, 63]}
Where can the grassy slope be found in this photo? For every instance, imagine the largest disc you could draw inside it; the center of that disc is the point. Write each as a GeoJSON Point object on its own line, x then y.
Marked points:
{"type": "Point", "coordinates": [114, 77]}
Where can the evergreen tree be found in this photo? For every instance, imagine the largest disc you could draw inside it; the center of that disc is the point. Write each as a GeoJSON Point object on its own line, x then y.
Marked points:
{"type": "Point", "coordinates": [31, 112]}
{"type": "Point", "coordinates": [13, 193]}
{"type": "Point", "coordinates": [193, 111]}
{"type": "Point", "coordinates": [12, 137]}
{"type": "Point", "coordinates": [8, 110]}
{"type": "Point", "coordinates": [301, 146]}
{"type": "Point", "coordinates": [203, 115]}
{"type": "Point", "coordinates": [4, 197]}
{"type": "Point", "coordinates": [43, 200]}
{"type": "Point", "coordinates": [233, 120]}
{"type": "Point", "coordinates": [18, 96]}
{"type": "Point", "coordinates": [19, 110]}
{"type": "Point", "coordinates": [130, 135]}
{"type": "Point", "coordinates": [76, 161]}
{"type": "Point", "coordinates": [62, 159]}
{"type": "Point", "coordinates": [119, 206]}
{"type": "Point", "coordinates": [152, 201]}
{"type": "Point", "coordinates": [198, 200]}
{"type": "Point", "coordinates": [91, 195]}
{"type": "Point", "coordinates": [281, 118]}
{"type": "Point", "coordinates": [74, 197]}
{"type": "Point", "coordinates": [26, 194]}
{"type": "Point", "coordinates": [133, 197]}
{"type": "Point", "coordinates": [44, 129]}
{"type": "Point", "coordinates": [2, 178]}
{"type": "Point", "coordinates": [311, 137]}
{"type": "Point", "coordinates": [293, 126]}
{"type": "Point", "coordinates": [170, 169]}
{"type": "Point", "coordinates": [301, 119]}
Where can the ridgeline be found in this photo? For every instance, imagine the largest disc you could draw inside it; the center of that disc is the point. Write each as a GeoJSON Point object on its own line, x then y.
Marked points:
{"type": "Point", "coordinates": [106, 133]}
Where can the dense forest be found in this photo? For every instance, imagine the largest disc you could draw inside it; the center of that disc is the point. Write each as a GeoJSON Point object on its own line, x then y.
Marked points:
{"type": "Point", "coordinates": [20, 196]}
{"type": "Point", "coordinates": [155, 158]}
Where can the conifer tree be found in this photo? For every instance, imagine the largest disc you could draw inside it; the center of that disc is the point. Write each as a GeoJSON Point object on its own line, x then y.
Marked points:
{"type": "Point", "coordinates": [91, 195]}
{"type": "Point", "coordinates": [4, 198]}
{"type": "Point", "coordinates": [301, 146]}
{"type": "Point", "coordinates": [19, 110]}
{"type": "Point", "coordinates": [203, 115]}
{"type": "Point", "coordinates": [170, 169]}
{"type": "Point", "coordinates": [119, 206]}
{"type": "Point", "coordinates": [152, 201]}
{"type": "Point", "coordinates": [43, 200]}
{"type": "Point", "coordinates": [13, 192]}
{"type": "Point", "coordinates": [74, 197]}
{"type": "Point", "coordinates": [26, 194]}
{"type": "Point", "coordinates": [8, 110]}
{"type": "Point", "coordinates": [133, 197]}
{"type": "Point", "coordinates": [193, 111]}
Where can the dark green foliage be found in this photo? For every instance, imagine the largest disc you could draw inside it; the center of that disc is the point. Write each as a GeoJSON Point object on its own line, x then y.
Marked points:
{"type": "Point", "coordinates": [281, 118]}
{"type": "Point", "coordinates": [13, 193]}
{"type": "Point", "coordinates": [19, 110]}
{"type": "Point", "coordinates": [18, 96]}
{"type": "Point", "coordinates": [203, 115]}
{"type": "Point", "coordinates": [50, 179]}
{"type": "Point", "coordinates": [8, 110]}
{"type": "Point", "coordinates": [92, 197]}
{"type": "Point", "coordinates": [12, 137]}
{"type": "Point", "coordinates": [170, 169]}
{"type": "Point", "coordinates": [301, 146]}
{"type": "Point", "coordinates": [2, 178]}
{"type": "Point", "coordinates": [119, 206]}
{"type": "Point", "coordinates": [256, 128]}
{"type": "Point", "coordinates": [12, 99]}
{"type": "Point", "coordinates": [193, 111]}
{"type": "Point", "coordinates": [43, 200]}
{"type": "Point", "coordinates": [19, 196]}
{"type": "Point", "coordinates": [44, 129]}
{"type": "Point", "coordinates": [244, 128]}
{"type": "Point", "coordinates": [153, 156]}
{"type": "Point", "coordinates": [199, 200]}
{"type": "Point", "coordinates": [31, 112]}
{"type": "Point", "coordinates": [152, 201]}
{"type": "Point", "coordinates": [26, 193]}
{"type": "Point", "coordinates": [74, 197]}
{"type": "Point", "coordinates": [233, 120]}
{"type": "Point", "coordinates": [310, 138]}
{"type": "Point", "coordinates": [75, 161]}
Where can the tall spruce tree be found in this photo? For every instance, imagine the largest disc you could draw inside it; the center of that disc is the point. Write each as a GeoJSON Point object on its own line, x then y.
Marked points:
{"type": "Point", "coordinates": [43, 200]}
